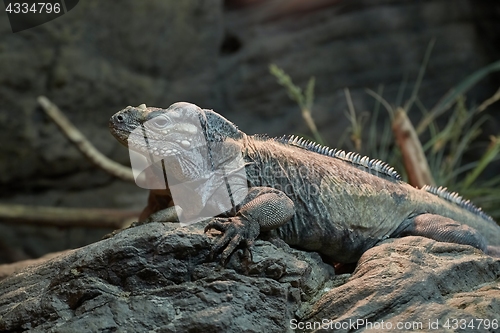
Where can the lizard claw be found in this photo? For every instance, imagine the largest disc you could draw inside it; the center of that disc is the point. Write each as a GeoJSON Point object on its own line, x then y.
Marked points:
{"type": "Point", "coordinates": [236, 231]}
{"type": "Point", "coordinates": [219, 224]}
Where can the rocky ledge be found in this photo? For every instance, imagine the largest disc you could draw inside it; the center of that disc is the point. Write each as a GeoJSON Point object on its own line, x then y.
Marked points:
{"type": "Point", "coordinates": [157, 278]}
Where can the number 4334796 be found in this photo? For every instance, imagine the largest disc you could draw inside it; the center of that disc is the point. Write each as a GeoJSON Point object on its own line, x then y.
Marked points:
{"type": "Point", "coordinates": [35, 8]}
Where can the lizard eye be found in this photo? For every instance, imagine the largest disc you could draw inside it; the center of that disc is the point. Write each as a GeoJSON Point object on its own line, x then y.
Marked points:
{"type": "Point", "coordinates": [160, 122]}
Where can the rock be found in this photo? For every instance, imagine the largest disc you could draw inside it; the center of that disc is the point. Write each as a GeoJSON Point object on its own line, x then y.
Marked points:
{"type": "Point", "coordinates": [10, 269]}
{"type": "Point", "coordinates": [155, 278]}
{"type": "Point", "coordinates": [414, 280]}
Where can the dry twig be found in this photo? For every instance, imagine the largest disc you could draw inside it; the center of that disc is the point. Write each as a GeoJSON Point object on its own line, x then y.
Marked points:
{"type": "Point", "coordinates": [67, 217]}
{"type": "Point", "coordinates": [416, 165]}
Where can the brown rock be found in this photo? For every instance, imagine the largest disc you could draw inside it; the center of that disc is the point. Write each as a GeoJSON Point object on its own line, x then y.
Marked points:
{"type": "Point", "coordinates": [414, 281]}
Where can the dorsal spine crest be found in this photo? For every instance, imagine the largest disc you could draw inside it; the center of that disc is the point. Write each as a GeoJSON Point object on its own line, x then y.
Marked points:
{"type": "Point", "coordinates": [373, 166]}
{"type": "Point", "coordinates": [455, 198]}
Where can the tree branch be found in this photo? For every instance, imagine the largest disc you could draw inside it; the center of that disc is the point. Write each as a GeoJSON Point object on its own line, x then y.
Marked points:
{"type": "Point", "coordinates": [84, 146]}
{"type": "Point", "coordinates": [67, 217]}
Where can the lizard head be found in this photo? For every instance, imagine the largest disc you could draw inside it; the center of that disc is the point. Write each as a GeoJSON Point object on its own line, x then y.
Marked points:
{"type": "Point", "coordinates": [181, 127]}
{"type": "Point", "coordinates": [182, 135]}
{"type": "Point", "coordinates": [157, 131]}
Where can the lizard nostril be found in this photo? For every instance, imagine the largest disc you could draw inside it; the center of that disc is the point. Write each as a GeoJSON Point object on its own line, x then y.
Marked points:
{"type": "Point", "coordinates": [119, 118]}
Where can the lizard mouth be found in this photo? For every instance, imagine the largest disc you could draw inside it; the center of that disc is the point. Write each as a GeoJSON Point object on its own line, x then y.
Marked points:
{"type": "Point", "coordinates": [121, 135]}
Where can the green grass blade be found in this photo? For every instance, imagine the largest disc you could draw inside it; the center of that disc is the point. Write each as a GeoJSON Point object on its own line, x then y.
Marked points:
{"type": "Point", "coordinates": [490, 155]}
{"type": "Point", "coordinates": [447, 101]}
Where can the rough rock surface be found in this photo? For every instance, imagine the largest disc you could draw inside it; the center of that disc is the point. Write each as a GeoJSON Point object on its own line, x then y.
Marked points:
{"type": "Point", "coordinates": [10, 269]}
{"type": "Point", "coordinates": [415, 280]}
{"type": "Point", "coordinates": [155, 278]}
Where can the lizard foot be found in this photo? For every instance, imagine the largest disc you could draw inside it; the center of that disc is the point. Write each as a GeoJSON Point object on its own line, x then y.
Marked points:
{"type": "Point", "coordinates": [237, 231]}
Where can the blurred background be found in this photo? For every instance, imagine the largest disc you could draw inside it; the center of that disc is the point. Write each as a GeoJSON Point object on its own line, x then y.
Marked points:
{"type": "Point", "coordinates": [104, 55]}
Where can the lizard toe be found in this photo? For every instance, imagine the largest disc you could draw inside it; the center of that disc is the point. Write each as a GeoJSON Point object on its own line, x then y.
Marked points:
{"type": "Point", "coordinates": [219, 224]}
{"type": "Point", "coordinates": [225, 244]}
{"type": "Point", "coordinates": [230, 248]}
{"type": "Point", "coordinates": [237, 232]}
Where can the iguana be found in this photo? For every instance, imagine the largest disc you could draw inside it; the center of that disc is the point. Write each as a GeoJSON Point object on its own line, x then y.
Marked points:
{"type": "Point", "coordinates": [310, 196]}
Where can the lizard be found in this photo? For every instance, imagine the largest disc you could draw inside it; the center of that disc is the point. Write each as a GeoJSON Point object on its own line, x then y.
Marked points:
{"type": "Point", "coordinates": [310, 196]}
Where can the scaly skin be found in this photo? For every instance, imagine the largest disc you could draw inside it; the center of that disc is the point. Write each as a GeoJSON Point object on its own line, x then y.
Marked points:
{"type": "Point", "coordinates": [309, 200]}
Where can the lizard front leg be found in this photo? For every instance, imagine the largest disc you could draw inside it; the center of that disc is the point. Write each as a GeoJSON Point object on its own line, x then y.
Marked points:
{"type": "Point", "coordinates": [160, 208]}
{"type": "Point", "coordinates": [263, 209]}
